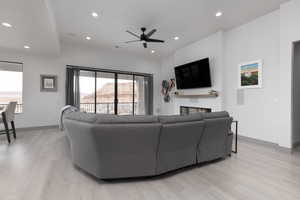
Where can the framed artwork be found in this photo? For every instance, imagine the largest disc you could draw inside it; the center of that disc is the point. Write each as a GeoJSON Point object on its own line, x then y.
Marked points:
{"type": "Point", "coordinates": [48, 83]}
{"type": "Point", "coordinates": [250, 74]}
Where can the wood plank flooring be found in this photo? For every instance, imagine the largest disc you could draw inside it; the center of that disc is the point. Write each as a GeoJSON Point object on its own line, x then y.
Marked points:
{"type": "Point", "coordinates": [37, 166]}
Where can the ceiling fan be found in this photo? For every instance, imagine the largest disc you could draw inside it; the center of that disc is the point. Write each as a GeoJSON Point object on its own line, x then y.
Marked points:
{"type": "Point", "coordinates": [144, 38]}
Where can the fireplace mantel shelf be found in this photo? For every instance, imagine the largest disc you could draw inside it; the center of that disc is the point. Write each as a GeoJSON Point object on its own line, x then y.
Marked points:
{"type": "Point", "coordinates": [196, 95]}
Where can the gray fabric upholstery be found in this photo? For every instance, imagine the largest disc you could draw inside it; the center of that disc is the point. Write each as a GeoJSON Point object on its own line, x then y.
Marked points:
{"type": "Point", "coordinates": [115, 119]}
{"type": "Point", "coordinates": [129, 153]}
{"type": "Point", "coordinates": [213, 143]}
{"type": "Point", "coordinates": [109, 146]}
{"type": "Point", "coordinates": [114, 151]}
{"type": "Point", "coordinates": [177, 118]}
{"type": "Point", "coordinates": [178, 145]}
{"type": "Point", "coordinates": [213, 115]}
{"type": "Point", "coordinates": [82, 117]}
{"type": "Point", "coordinates": [84, 149]}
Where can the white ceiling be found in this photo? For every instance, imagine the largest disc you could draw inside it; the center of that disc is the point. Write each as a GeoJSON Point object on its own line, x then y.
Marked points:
{"type": "Point", "coordinates": [35, 22]}
{"type": "Point", "coordinates": [33, 25]}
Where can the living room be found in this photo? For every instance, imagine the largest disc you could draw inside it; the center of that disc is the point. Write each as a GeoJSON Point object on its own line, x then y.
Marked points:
{"type": "Point", "coordinates": [123, 73]}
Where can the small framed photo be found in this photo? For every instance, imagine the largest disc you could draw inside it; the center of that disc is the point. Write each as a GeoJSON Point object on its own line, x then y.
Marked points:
{"type": "Point", "coordinates": [250, 74]}
{"type": "Point", "coordinates": [48, 83]}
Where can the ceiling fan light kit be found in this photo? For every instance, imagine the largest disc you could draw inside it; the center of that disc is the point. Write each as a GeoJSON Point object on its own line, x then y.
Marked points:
{"type": "Point", "coordinates": [144, 37]}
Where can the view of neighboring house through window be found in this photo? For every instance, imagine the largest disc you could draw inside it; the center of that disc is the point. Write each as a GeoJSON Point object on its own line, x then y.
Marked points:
{"type": "Point", "coordinates": [11, 84]}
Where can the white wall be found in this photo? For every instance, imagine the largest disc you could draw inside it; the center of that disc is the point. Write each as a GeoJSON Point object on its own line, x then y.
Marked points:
{"type": "Point", "coordinates": [289, 32]}
{"type": "Point", "coordinates": [258, 117]}
{"type": "Point", "coordinates": [42, 109]}
{"type": "Point", "coordinates": [209, 47]}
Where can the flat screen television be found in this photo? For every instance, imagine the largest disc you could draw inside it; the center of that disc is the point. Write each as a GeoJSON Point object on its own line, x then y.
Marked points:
{"type": "Point", "coordinates": [193, 75]}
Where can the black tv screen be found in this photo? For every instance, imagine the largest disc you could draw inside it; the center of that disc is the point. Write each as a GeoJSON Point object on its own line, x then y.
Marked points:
{"type": "Point", "coordinates": [193, 75]}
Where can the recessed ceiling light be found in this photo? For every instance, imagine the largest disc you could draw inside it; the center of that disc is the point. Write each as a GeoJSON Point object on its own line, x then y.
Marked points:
{"type": "Point", "coordinates": [152, 51]}
{"type": "Point", "coordinates": [6, 24]}
{"type": "Point", "coordinates": [176, 38]}
{"type": "Point", "coordinates": [88, 38]}
{"type": "Point", "coordinates": [219, 14]}
{"type": "Point", "coordinates": [95, 15]}
{"type": "Point", "coordinates": [26, 47]}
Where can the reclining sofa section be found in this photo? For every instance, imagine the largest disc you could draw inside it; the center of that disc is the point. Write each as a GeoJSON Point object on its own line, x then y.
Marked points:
{"type": "Point", "coordinates": [110, 146]}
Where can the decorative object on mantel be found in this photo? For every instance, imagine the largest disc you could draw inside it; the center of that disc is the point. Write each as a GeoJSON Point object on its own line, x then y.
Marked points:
{"type": "Point", "coordinates": [167, 87]}
{"type": "Point", "coordinates": [48, 83]}
{"type": "Point", "coordinates": [211, 93]}
{"type": "Point", "coordinates": [250, 74]}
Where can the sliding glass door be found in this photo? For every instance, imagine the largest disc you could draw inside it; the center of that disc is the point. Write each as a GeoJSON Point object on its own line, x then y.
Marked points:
{"type": "Point", "coordinates": [139, 95]}
{"type": "Point", "coordinates": [105, 93]}
{"type": "Point", "coordinates": [125, 94]}
{"type": "Point", "coordinates": [113, 92]}
{"type": "Point", "coordinates": [87, 91]}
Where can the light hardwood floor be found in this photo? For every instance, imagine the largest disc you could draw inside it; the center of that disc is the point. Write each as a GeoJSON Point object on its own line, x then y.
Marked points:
{"type": "Point", "coordinates": [37, 166]}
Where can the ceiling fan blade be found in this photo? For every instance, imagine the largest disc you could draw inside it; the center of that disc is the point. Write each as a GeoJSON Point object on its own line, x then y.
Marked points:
{"type": "Point", "coordinates": [151, 33]}
{"type": "Point", "coordinates": [133, 41]}
{"type": "Point", "coordinates": [145, 45]}
{"type": "Point", "coordinates": [131, 33]}
{"type": "Point", "coordinates": [155, 40]}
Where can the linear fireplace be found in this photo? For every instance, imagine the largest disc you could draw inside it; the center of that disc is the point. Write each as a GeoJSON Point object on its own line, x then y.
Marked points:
{"type": "Point", "coordinates": [186, 110]}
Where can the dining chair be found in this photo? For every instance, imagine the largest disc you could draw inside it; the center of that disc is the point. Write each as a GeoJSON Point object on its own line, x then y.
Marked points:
{"type": "Point", "coordinates": [8, 116]}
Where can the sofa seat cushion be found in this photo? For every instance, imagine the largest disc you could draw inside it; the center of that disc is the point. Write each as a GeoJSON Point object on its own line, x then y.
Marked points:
{"type": "Point", "coordinates": [170, 119]}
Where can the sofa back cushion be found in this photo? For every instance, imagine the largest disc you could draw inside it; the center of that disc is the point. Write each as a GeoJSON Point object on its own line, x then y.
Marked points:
{"type": "Point", "coordinates": [128, 119]}
{"type": "Point", "coordinates": [81, 116]}
{"type": "Point", "coordinates": [214, 115]}
{"type": "Point", "coordinates": [110, 119]}
{"type": "Point", "coordinates": [171, 119]}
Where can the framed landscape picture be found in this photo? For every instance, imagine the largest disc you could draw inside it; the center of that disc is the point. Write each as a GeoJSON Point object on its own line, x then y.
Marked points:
{"type": "Point", "coordinates": [250, 74]}
{"type": "Point", "coordinates": [48, 83]}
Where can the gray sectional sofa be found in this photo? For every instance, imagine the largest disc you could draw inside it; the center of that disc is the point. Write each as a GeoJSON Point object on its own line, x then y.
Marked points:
{"type": "Point", "coordinates": [110, 146]}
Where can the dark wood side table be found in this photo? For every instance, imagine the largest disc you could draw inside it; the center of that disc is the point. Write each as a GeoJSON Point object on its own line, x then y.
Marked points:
{"type": "Point", "coordinates": [236, 135]}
